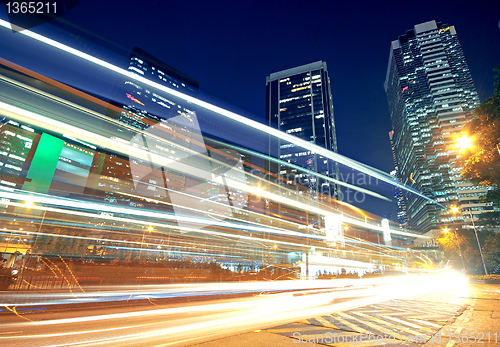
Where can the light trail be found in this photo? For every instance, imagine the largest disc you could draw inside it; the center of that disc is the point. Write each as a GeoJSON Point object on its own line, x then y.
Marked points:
{"type": "Point", "coordinates": [149, 223]}
{"type": "Point", "coordinates": [300, 168]}
{"type": "Point", "coordinates": [342, 262]}
{"type": "Point", "coordinates": [211, 319]}
{"type": "Point", "coordinates": [156, 224]}
{"type": "Point", "coordinates": [228, 114]}
{"type": "Point", "coordinates": [212, 214]}
{"type": "Point", "coordinates": [137, 292]}
{"type": "Point", "coordinates": [103, 207]}
{"type": "Point", "coordinates": [102, 141]}
{"type": "Point", "coordinates": [139, 213]}
{"type": "Point", "coordinates": [130, 211]}
{"type": "Point", "coordinates": [219, 180]}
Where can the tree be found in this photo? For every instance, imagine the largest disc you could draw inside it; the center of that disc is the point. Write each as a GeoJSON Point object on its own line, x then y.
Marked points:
{"type": "Point", "coordinates": [482, 162]}
{"type": "Point", "coordinates": [492, 253]}
{"type": "Point", "coordinates": [468, 248]}
{"type": "Point", "coordinates": [448, 243]}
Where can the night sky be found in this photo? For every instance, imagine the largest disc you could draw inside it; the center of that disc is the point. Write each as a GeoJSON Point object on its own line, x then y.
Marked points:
{"type": "Point", "coordinates": [230, 47]}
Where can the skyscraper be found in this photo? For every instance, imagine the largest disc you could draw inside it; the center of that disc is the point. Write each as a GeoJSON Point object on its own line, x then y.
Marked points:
{"type": "Point", "coordinates": [299, 102]}
{"type": "Point", "coordinates": [140, 107]}
{"type": "Point", "coordinates": [431, 96]}
{"type": "Point", "coordinates": [398, 192]}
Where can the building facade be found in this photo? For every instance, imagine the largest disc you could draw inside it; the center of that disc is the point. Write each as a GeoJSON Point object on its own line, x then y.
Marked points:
{"type": "Point", "coordinates": [399, 199]}
{"type": "Point", "coordinates": [431, 96]}
{"type": "Point", "coordinates": [41, 160]}
{"type": "Point", "coordinates": [137, 107]}
{"type": "Point", "coordinates": [299, 102]}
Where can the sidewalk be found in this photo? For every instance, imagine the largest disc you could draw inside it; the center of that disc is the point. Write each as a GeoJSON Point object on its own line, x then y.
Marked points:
{"type": "Point", "coordinates": [479, 324]}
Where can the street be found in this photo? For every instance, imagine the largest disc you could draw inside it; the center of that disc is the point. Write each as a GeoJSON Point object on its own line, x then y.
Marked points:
{"type": "Point", "coordinates": [407, 307]}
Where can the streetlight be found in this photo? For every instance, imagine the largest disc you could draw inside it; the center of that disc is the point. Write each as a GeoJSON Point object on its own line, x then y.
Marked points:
{"type": "Point", "coordinates": [464, 142]}
{"type": "Point", "coordinates": [446, 230]}
{"type": "Point", "coordinates": [455, 209]}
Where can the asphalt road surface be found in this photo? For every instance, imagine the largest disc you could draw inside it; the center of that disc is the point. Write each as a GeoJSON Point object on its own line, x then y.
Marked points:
{"type": "Point", "coordinates": [268, 317]}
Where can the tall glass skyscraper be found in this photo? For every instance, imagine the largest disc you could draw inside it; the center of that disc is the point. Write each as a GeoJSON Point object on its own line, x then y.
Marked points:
{"type": "Point", "coordinates": [299, 102]}
{"type": "Point", "coordinates": [398, 192]}
{"type": "Point", "coordinates": [431, 96]}
{"type": "Point", "coordinates": [138, 107]}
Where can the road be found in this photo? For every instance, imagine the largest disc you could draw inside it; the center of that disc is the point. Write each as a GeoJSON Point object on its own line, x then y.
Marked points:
{"type": "Point", "coordinates": [156, 322]}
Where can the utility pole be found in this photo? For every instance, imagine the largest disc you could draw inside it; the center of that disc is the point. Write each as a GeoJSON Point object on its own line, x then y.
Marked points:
{"type": "Point", "coordinates": [477, 238]}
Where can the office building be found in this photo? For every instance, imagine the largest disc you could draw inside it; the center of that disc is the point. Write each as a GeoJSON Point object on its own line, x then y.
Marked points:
{"type": "Point", "coordinates": [16, 147]}
{"type": "Point", "coordinates": [399, 199]}
{"type": "Point", "coordinates": [35, 158]}
{"type": "Point", "coordinates": [299, 102]}
{"type": "Point", "coordinates": [431, 96]}
{"type": "Point", "coordinates": [139, 107]}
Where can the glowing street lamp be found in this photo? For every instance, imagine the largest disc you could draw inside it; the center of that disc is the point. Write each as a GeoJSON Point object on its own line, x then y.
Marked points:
{"type": "Point", "coordinates": [464, 142]}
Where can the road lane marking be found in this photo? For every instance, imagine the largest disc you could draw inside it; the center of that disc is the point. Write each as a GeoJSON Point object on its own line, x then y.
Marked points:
{"type": "Point", "coordinates": [326, 323]}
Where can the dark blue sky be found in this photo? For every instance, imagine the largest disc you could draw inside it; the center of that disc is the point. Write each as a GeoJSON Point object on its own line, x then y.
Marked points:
{"type": "Point", "coordinates": [231, 46]}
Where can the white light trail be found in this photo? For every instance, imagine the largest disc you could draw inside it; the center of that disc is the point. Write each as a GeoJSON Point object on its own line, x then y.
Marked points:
{"type": "Point", "coordinates": [228, 114]}
{"type": "Point", "coordinates": [140, 213]}
{"type": "Point", "coordinates": [42, 121]}
{"type": "Point", "coordinates": [300, 168]}
{"type": "Point", "coordinates": [102, 207]}
{"type": "Point", "coordinates": [155, 224]}
{"type": "Point", "coordinates": [262, 311]}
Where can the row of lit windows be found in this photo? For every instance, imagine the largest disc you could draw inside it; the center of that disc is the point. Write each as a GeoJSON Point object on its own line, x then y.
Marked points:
{"type": "Point", "coordinates": [294, 98]}
{"type": "Point", "coordinates": [295, 130]}
{"type": "Point", "coordinates": [13, 167]}
{"type": "Point", "coordinates": [133, 68]}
